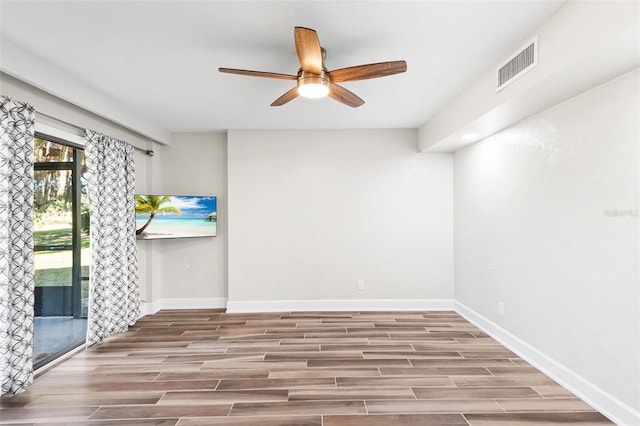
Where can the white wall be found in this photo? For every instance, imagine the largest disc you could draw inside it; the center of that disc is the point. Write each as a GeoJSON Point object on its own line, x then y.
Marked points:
{"type": "Point", "coordinates": [534, 229]}
{"type": "Point", "coordinates": [192, 271]}
{"type": "Point", "coordinates": [312, 212]}
{"type": "Point", "coordinates": [148, 182]}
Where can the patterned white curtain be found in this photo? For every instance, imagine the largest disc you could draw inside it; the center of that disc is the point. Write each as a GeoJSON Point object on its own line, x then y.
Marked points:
{"type": "Point", "coordinates": [114, 300]}
{"type": "Point", "coordinates": [16, 245]}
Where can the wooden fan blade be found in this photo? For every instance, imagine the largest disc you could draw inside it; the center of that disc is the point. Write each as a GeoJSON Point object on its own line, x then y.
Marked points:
{"type": "Point", "coordinates": [341, 94]}
{"type": "Point", "coordinates": [287, 97]}
{"type": "Point", "coordinates": [363, 72]}
{"type": "Point", "coordinates": [258, 74]}
{"type": "Point", "coordinates": [308, 49]}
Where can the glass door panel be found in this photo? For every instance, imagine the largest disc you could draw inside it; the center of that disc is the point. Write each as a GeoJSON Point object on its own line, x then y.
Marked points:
{"type": "Point", "coordinates": [84, 276]}
{"type": "Point", "coordinates": [60, 243]}
{"type": "Point", "coordinates": [54, 283]}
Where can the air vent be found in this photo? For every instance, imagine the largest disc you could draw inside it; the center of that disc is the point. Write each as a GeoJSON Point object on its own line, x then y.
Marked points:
{"type": "Point", "coordinates": [517, 65]}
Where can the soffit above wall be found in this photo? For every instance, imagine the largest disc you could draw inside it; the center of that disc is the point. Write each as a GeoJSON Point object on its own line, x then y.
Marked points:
{"type": "Point", "coordinates": [581, 46]}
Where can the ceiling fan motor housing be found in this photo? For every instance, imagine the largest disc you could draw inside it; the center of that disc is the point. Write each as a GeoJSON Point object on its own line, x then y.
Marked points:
{"type": "Point", "coordinates": [313, 85]}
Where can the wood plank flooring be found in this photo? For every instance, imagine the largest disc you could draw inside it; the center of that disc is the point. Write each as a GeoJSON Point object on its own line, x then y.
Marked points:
{"type": "Point", "coordinates": [206, 367]}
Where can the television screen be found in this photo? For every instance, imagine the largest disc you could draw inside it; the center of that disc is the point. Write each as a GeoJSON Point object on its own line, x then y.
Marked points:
{"type": "Point", "coordinates": [173, 216]}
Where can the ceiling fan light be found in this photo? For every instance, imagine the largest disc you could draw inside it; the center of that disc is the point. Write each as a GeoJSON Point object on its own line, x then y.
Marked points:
{"type": "Point", "coordinates": [313, 90]}
{"type": "Point", "coordinates": [313, 86]}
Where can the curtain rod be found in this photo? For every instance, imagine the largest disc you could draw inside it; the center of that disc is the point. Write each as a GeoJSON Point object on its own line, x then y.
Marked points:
{"type": "Point", "coordinates": [148, 152]}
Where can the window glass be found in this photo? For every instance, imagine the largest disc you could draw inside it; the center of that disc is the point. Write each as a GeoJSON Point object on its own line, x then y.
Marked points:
{"type": "Point", "coordinates": [62, 250]}
{"type": "Point", "coordinates": [46, 151]}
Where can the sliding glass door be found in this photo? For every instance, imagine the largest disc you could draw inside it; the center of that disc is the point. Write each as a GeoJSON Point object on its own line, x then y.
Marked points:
{"type": "Point", "coordinates": [62, 251]}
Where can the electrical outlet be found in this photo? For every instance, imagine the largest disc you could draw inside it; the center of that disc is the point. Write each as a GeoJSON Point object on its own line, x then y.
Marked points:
{"type": "Point", "coordinates": [191, 266]}
{"type": "Point", "coordinates": [360, 285]}
{"type": "Point", "coordinates": [501, 308]}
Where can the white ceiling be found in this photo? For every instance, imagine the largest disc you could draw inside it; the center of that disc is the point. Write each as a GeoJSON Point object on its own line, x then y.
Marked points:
{"type": "Point", "coordinates": [159, 59]}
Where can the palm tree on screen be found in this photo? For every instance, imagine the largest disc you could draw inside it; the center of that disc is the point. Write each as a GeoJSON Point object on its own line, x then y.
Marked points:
{"type": "Point", "coordinates": [153, 204]}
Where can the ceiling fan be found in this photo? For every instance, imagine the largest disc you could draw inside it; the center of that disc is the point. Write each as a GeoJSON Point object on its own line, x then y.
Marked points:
{"type": "Point", "coordinates": [313, 78]}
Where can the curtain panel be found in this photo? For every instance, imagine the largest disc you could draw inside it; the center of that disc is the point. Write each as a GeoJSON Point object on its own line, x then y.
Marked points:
{"type": "Point", "coordinates": [114, 300]}
{"type": "Point", "coordinates": [16, 245]}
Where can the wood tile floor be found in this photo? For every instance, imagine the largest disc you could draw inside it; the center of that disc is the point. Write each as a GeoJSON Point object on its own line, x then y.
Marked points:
{"type": "Point", "coordinates": [205, 367]}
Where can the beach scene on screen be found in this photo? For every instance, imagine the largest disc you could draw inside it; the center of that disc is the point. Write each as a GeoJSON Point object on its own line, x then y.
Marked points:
{"type": "Point", "coordinates": [170, 216]}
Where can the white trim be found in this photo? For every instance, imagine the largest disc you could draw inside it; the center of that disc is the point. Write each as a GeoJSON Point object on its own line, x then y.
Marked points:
{"type": "Point", "coordinates": [150, 308]}
{"type": "Point", "coordinates": [240, 306]}
{"type": "Point", "coordinates": [65, 356]}
{"type": "Point", "coordinates": [194, 303]}
{"type": "Point", "coordinates": [617, 411]}
{"type": "Point", "coordinates": [58, 133]}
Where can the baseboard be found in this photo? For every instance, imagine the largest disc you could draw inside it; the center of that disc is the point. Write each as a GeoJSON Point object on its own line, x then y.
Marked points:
{"type": "Point", "coordinates": [150, 308]}
{"type": "Point", "coordinates": [613, 408]}
{"type": "Point", "coordinates": [243, 306]}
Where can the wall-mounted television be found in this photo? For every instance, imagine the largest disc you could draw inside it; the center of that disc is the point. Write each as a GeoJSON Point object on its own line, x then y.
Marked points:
{"type": "Point", "coordinates": [175, 216]}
